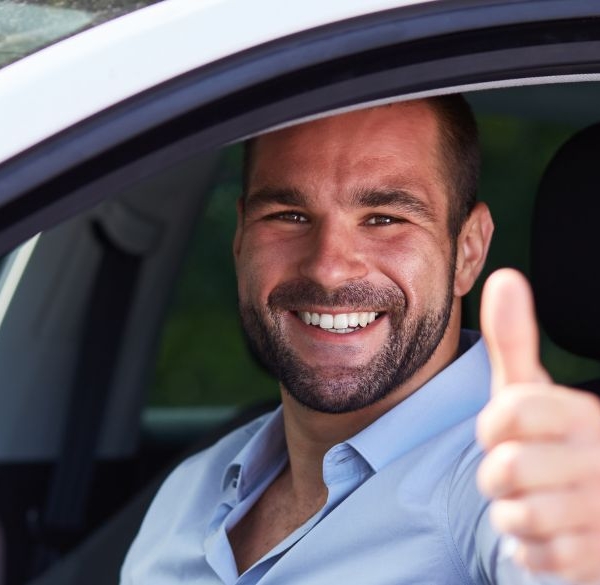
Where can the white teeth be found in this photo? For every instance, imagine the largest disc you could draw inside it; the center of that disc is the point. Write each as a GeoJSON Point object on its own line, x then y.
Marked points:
{"type": "Point", "coordinates": [340, 323]}
{"type": "Point", "coordinates": [326, 321]}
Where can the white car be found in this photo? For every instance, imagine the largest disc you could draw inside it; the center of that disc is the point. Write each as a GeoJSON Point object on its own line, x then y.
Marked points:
{"type": "Point", "coordinates": [120, 132]}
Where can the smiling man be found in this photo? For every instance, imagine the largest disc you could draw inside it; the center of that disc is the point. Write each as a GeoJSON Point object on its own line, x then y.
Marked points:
{"type": "Point", "coordinates": [358, 226]}
{"type": "Point", "coordinates": [358, 236]}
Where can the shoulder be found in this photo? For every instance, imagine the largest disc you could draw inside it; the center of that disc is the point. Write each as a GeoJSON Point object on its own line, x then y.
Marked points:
{"type": "Point", "coordinates": [192, 490]}
{"type": "Point", "coordinates": [212, 461]}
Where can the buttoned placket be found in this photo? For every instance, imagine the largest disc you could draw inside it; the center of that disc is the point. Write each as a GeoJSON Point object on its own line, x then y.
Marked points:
{"type": "Point", "coordinates": [344, 470]}
{"type": "Point", "coordinates": [234, 505]}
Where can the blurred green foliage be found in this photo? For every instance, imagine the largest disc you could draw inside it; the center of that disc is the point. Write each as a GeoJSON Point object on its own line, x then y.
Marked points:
{"type": "Point", "coordinates": [203, 359]}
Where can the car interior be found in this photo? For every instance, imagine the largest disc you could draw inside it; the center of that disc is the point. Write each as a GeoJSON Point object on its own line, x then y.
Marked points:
{"type": "Point", "coordinates": [120, 337]}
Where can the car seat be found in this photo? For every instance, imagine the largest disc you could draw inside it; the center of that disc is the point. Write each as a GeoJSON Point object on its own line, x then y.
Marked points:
{"type": "Point", "coordinates": [98, 559]}
{"type": "Point", "coordinates": [565, 277]}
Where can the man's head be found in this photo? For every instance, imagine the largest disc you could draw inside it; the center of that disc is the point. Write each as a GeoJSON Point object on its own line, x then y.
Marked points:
{"type": "Point", "coordinates": [357, 236]}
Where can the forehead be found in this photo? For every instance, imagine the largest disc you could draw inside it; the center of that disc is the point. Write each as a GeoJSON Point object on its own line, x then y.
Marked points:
{"type": "Point", "coordinates": [391, 146]}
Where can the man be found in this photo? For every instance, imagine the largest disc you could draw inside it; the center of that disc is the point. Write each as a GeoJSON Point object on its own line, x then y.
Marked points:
{"type": "Point", "coordinates": [358, 235]}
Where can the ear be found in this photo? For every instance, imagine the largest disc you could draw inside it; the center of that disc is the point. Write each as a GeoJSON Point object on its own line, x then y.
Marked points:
{"type": "Point", "coordinates": [472, 248]}
{"type": "Point", "coordinates": [237, 239]}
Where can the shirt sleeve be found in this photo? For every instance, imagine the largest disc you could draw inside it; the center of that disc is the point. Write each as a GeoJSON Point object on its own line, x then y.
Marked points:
{"type": "Point", "coordinates": [506, 571]}
{"type": "Point", "coordinates": [484, 554]}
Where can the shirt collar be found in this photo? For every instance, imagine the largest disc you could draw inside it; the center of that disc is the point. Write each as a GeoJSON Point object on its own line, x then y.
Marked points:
{"type": "Point", "coordinates": [265, 450]}
{"type": "Point", "coordinates": [455, 394]}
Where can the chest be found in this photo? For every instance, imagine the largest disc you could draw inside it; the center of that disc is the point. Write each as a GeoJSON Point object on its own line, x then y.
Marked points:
{"type": "Point", "coordinates": [275, 516]}
{"type": "Point", "coordinates": [384, 537]}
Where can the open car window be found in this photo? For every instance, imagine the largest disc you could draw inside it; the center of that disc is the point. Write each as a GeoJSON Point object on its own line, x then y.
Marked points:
{"type": "Point", "coordinates": [183, 376]}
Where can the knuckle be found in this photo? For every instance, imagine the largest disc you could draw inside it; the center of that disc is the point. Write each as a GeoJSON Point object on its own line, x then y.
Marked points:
{"type": "Point", "coordinates": [484, 483]}
{"type": "Point", "coordinates": [508, 465]}
{"type": "Point", "coordinates": [531, 520]}
{"type": "Point", "coordinates": [502, 516]}
{"type": "Point", "coordinates": [523, 517]}
{"type": "Point", "coordinates": [556, 555]}
{"type": "Point", "coordinates": [484, 430]}
{"type": "Point", "coordinates": [510, 409]}
{"type": "Point", "coordinates": [500, 419]}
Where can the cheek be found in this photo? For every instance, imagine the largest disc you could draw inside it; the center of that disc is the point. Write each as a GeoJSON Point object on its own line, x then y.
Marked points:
{"type": "Point", "coordinates": [419, 266]}
{"type": "Point", "coordinates": [260, 268]}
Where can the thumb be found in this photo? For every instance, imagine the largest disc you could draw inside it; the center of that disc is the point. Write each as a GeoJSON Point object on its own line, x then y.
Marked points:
{"type": "Point", "coordinates": [510, 330]}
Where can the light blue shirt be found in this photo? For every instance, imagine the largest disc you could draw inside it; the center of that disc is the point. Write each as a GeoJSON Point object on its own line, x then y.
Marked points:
{"type": "Point", "coordinates": [402, 505]}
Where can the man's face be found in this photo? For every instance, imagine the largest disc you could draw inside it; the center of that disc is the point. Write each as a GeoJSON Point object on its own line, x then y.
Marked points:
{"type": "Point", "coordinates": [344, 261]}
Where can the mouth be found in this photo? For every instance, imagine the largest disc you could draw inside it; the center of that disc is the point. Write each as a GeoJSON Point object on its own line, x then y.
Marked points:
{"type": "Point", "coordinates": [339, 323]}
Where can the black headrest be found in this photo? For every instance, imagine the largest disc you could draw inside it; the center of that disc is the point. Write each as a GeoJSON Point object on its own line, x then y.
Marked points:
{"type": "Point", "coordinates": [565, 244]}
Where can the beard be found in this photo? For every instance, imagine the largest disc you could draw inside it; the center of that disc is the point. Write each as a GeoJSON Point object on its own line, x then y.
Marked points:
{"type": "Point", "coordinates": [345, 388]}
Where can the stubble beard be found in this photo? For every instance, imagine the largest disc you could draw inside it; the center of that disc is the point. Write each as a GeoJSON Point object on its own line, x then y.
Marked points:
{"type": "Point", "coordinates": [345, 388]}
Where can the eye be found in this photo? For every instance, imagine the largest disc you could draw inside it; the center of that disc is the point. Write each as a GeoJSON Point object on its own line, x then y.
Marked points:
{"type": "Point", "coordinates": [288, 216]}
{"type": "Point", "coordinates": [379, 220]}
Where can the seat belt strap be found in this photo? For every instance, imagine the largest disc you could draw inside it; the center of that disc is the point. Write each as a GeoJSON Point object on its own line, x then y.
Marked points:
{"type": "Point", "coordinates": [105, 322]}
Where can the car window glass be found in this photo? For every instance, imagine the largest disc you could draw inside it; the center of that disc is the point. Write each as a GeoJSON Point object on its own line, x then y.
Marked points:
{"type": "Point", "coordinates": [28, 25]}
{"type": "Point", "coordinates": [12, 267]}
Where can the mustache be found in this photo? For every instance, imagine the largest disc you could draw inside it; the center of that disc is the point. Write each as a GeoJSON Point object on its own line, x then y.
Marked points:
{"type": "Point", "coordinates": [299, 294]}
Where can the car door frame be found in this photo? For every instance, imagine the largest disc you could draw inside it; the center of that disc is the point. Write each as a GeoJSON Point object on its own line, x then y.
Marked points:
{"type": "Point", "coordinates": [434, 47]}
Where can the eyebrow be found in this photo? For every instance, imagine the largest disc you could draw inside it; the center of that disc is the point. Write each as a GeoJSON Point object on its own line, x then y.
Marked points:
{"type": "Point", "coordinates": [394, 198]}
{"type": "Point", "coordinates": [397, 199]}
{"type": "Point", "coordinates": [271, 196]}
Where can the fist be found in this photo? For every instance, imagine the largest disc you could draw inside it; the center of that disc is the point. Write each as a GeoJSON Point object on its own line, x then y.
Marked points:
{"type": "Point", "coordinates": [542, 443]}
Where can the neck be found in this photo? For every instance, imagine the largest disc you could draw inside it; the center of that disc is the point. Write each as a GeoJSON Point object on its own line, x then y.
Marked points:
{"type": "Point", "coordinates": [310, 434]}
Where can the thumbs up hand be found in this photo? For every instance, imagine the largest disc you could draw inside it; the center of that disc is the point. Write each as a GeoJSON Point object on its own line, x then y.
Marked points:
{"type": "Point", "coordinates": [542, 467]}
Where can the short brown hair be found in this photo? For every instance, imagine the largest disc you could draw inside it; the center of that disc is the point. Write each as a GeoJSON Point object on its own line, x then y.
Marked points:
{"type": "Point", "coordinates": [460, 155]}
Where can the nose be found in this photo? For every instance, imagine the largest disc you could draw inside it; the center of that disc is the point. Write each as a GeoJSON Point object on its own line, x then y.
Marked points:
{"type": "Point", "coordinates": [332, 256]}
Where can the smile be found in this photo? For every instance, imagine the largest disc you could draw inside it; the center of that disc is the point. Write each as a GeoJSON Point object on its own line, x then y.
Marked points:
{"type": "Point", "coordinates": [340, 323]}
